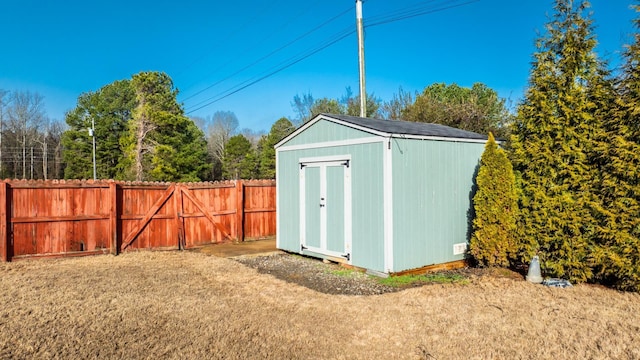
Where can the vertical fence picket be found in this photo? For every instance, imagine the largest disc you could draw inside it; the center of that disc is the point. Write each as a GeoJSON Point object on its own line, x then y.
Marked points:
{"type": "Point", "coordinates": [179, 210]}
{"type": "Point", "coordinates": [239, 210]}
{"type": "Point", "coordinates": [113, 218]}
{"type": "Point", "coordinates": [4, 225]}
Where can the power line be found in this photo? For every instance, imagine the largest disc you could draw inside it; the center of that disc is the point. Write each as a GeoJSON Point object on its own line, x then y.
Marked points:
{"type": "Point", "coordinates": [288, 63]}
{"type": "Point", "coordinates": [414, 11]}
{"type": "Point", "coordinates": [323, 24]}
{"type": "Point", "coordinates": [402, 14]}
{"type": "Point", "coordinates": [251, 20]}
{"type": "Point", "coordinates": [246, 50]}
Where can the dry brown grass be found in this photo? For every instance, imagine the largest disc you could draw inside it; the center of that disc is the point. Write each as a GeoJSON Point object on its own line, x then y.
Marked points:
{"type": "Point", "coordinates": [186, 305]}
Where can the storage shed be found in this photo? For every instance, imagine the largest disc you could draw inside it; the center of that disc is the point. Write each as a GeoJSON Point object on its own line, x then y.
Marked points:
{"type": "Point", "coordinates": [383, 195]}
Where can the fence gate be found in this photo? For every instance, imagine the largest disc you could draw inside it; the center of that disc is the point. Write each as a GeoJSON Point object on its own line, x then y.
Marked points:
{"type": "Point", "coordinates": [184, 216]}
{"type": "Point", "coordinates": [206, 214]}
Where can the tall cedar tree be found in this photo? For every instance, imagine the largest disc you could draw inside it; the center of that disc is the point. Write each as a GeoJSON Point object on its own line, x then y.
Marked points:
{"type": "Point", "coordinates": [617, 253]}
{"type": "Point", "coordinates": [161, 143]}
{"type": "Point", "coordinates": [554, 138]}
{"type": "Point", "coordinates": [495, 203]}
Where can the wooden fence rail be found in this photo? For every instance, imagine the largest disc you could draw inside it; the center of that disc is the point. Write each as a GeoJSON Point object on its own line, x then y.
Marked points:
{"type": "Point", "coordinates": [74, 218]}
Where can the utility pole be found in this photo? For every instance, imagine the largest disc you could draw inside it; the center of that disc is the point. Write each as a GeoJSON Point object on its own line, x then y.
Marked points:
{"type": "Point", "coordinates": [92, 133]}
{"type": "Point", "coordinates": [32, 163]}
{"type": "Point", "coordinates": [363, 92]}
{"type": "Point", "coordinates": [45, 162]}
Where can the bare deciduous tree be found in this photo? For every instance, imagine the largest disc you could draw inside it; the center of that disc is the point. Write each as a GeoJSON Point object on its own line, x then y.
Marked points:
{"type": "Point", "coordinates": [302, 106]}
{"type": "Point", "coordinates": [3, 94]}
{"type": "Point", "coordinates": [220, 128]}
{"type": "Point", "coordinates": [394, 108]}
{"type": "Point", "coordinates": [25, 115]}
{"type": "Point", "coordinates": [253, 136]}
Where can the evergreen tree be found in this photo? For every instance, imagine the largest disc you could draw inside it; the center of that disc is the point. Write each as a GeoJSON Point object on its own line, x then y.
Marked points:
{"type": "Point", "coordinates": [617, 254]}
{"type": "Point", "coordinates": [495, 203]}
{"type": "Point", "coordinates": [554, 140]}
{"type": "Point", "coordinates": [161, 143]}
{"type": "Point", "coordinates": [110, 108]}
{"type": "Point", "coordinates": [239, 160]}
{"type": "Point", "coordinates": [326, 106]}
{"type": "Point", "coordinates": [279, 130]}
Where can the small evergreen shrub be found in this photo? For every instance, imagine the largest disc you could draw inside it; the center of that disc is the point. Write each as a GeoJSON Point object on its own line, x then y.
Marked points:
{"type": "Point", "coordinates": [493, 242]}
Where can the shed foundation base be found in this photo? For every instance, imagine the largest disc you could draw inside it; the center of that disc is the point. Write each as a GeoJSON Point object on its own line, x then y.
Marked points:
{"type": "Point", "coordinates": [432, 268]}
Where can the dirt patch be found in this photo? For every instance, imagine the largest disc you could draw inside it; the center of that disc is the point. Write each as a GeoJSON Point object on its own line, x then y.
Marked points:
{"type": "Point", "coordinates": [185, 305]}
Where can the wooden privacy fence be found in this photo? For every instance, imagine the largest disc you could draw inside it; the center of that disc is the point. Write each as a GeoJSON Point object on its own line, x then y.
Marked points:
{"type": "Point", "coordinates": [72, 218]}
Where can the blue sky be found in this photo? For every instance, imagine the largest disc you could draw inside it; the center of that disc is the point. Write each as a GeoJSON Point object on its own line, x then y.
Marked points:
{"type": "Point", "coordinates": [61, 49]}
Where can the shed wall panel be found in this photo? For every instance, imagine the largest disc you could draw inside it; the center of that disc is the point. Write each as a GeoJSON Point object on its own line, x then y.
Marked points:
{"type": "Point", "coordinates": [433, 183]}
{"type": "Point", "coordinates": [367, 199]}
{"type": "Point", "coordinates": [324, 131]}
{"type": "Point", "coordinates": [288, 203]}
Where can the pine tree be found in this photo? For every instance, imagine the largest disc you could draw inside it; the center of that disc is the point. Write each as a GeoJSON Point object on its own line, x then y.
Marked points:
{"type": "Point", "coordinates": [161, 143]}
{"type": "Point", "coordinates": [239, 160]}
{"type": "Point", "coordinates": [110, 108]}
{"type": "Point", "coordinates": [554, 140]}
{"type": "Point", "coordinates": [495, 203]}
{"type": "Point", "coordinates": [279, 130]}
{"type": "Point", "coordinates": [617, 254]}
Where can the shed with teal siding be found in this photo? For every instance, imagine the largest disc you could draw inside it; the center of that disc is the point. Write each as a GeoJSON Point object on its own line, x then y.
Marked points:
{"type": "Point", "coordinates": [387, 196]}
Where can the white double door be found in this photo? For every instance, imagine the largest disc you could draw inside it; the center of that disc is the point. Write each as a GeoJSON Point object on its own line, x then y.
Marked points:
{"type": "Point", "coordinates": [325, 206]}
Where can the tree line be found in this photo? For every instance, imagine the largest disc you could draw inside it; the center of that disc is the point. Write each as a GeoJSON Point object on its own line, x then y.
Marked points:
{"type": "Point", "coordinates": [567, 185]}
{"type": "Point", "coordinates": [478, 108]}
{"type": "Point", "coordinates": [29, 141]}
{"type": "Point", "coordinates": [142, 133]}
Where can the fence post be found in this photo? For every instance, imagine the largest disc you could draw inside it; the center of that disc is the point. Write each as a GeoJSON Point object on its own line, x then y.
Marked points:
{"type": "Point", "coordinates": [239, 210]}
{"type": "Point", "coordinates": [4, 228]}
{"type": "Point", "coordinates": [179, 227]}
{"type": "Point", "coordinates": [113, 217]}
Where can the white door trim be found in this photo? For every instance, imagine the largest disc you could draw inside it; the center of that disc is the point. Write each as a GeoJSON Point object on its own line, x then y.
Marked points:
{"type": "Point", "coordinates": [322, 162]}
{"type": "Point", "coordinates": [387, 186]}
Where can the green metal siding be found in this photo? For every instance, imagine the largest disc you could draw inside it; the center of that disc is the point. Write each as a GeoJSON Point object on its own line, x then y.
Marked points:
{"type": "Point", "coordinates": [367, 199]}
{"type": "Point", "coordinates": [432, 192]}
{"type": "Point", "coordinates": [324, 131]}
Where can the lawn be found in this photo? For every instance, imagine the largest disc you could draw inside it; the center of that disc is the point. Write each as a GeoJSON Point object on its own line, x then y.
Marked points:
{"type": "Point", "coordinates": [185, 305]}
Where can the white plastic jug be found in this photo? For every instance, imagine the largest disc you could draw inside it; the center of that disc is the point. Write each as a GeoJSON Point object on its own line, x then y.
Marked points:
{"type": "Point", "coordinates": [533, 275]}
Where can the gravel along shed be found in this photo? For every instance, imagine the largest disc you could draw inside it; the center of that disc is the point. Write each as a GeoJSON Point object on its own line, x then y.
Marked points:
{"type": "Point", "coordinates": [384, 195]}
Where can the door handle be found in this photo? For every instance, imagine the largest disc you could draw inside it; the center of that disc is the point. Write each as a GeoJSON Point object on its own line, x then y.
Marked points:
{"type": "Point", "coordinates": [321, 205]}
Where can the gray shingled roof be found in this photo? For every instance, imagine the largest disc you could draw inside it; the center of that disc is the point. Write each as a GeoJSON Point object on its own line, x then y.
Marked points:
{"type": "Point", "coordinates": [408, 127]}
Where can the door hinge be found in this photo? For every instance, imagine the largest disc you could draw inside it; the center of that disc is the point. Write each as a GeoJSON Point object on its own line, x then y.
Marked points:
{"type": "Point", "coordinates": [302, 165]}
{"type": "Point", "coordinates": [302, 248]}
{"type": "Point", "coordinates": [346, 163]}
{"type": "Point", "coordinates": [347, 256]}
